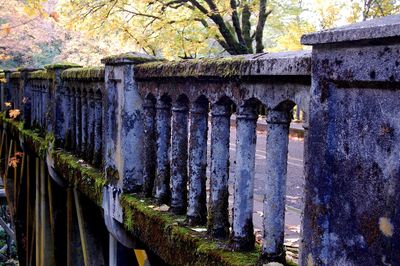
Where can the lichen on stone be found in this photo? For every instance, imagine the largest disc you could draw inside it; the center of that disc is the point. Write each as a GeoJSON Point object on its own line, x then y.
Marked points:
{"type": "Point", "coordinates": [130, 58]}
{"type": "Point", "coordinates": [40, 74]}
{"type": "Point", "coordinates": [61, 65]}
{"type": "Point", "coordinates": [213, 67]}
{"type": "Point", "coordinates": [15, 75]}
{"type": "Point", "coordinates": [86, 73]}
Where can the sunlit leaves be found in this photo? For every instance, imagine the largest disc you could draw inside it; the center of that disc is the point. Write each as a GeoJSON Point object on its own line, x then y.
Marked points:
{"type": "Point", "coordinates": [14, 113]}
{"type": "Point", "coordinates": [15, 160]}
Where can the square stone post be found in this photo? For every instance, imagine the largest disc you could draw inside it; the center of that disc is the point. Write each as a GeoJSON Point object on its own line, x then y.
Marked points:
{"type": "Point", "coordinates": [352, 161]}
{"type": "Point", "coordinates": [26, 100]}
{"type": "Point", "coordinates": [54, 109]}
{"type": "Point", "coordinates": [122, 120]}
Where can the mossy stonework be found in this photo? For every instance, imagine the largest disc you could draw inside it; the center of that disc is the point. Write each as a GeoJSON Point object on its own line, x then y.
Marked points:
{"type": "Point", "coordinates": [84, 73]}
{"type": "Point", "coordinates": [164, 233]}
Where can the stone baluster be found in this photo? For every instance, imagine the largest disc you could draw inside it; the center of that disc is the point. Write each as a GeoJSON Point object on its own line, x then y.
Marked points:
{"type": "Point", "coordinates": [197, 209]}
{"type": "Point", "coordinates": [98, 129]}
{"type": "Point", "coordinates": [78, 122]}
{"type": "Point", "coordinates": [218, 222]}
{"type": "Point", "coordinates": [275, 184]}
{"type": "Point", "coordinates": [163, 127]}
{"type": "Point", "coordinates": [91, 125]}
{"type": "Point", "coordinates": [179, 158]}
{"type": "Point", "coordinates": [149, 119]}
{"type": "Point", "coordinates": [84, 123]}
{"type": "Point", "coordinates": [33, 103]}
{"type": "Point", "coordinates": [72, 127]}
{"type": "Point", "coordinates": [242, 222]}
{"type": "Point", "coordinates": [44, 92]}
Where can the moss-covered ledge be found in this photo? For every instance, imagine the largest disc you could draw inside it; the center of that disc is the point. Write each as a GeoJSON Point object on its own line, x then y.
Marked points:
{"type": "Point", "coordinates": [40, 74]}
{"type": "Point", "coordinates": [84, 73]}
{"type": "Point", "coordinates": [86, 179]}
{"type": "Point", "coordinates": [174, 242]}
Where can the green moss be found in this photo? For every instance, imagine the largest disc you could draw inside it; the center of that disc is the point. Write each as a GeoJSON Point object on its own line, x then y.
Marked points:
{"type": "Point", "coordinates": [133, 58]}
{"type": "Point", "coordinates": [219, 67]}
{"type": "Point", "coordinates": [15, 75]}
{"type": "Point", "coordinates": [174, 242]}
{"type": "Point", "coordinates": [41, 74]}
{"type": "Point", "coordinates": [88, 180]}
{"type": "Point", "coordinates": [61, 65]}
{"type": "Point", "coordinates": [90, 73]}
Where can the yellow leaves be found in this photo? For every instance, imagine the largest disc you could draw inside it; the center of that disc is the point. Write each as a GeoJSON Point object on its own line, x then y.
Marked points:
{"type": "Point", "coordinates": [14, 113]}
{"type": "Point", "coordinates": [7, 104]}
{"type": "Point", "coordinates": [3, 80]}
{"type": "Point", "coordinates": [15, 160]}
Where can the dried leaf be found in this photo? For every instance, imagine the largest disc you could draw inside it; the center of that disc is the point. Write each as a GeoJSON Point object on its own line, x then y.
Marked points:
{"type": "Point", "coordinates": [162, 208]}
{"type": "Point", "coordinates": [14, 113]}
{"type": "Point", "coordinates": [55, 16]}
{"type": "Point", "coordinates": [7, 104]}
{"type": "Point", "coordinates": [199, 229]}
{"type": "Point", "coordinates": [13, 162]}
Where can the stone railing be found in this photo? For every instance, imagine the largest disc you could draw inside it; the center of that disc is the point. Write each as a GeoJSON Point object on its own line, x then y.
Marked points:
{"type": "Point", "coordinates": [146, 123]}
{"type": "Point", "coordinates": [155, 124]}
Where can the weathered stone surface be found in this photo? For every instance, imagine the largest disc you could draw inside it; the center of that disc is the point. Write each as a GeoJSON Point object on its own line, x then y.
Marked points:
{"type": "Point", "coordinates": [386, 27]}
{"type": "Point", "coordinates": [276, 64]}
{"type": "Point", "coordinates": [352, 154]}
{"type": "Point", "coordinates": [129, 58]}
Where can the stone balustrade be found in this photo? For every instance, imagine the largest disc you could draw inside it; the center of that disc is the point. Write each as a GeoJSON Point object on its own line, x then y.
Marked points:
{"type": "Point", "coordinates": [151, 125]}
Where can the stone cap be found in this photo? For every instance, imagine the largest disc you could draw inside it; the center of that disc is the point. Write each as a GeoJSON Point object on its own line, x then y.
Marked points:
{"type": "Point", "coordinates": [129, 58]}
{"type": "Point", "coordinates": [29, 69]}
{"type": "Point", "coordinates": [84, 73]}
{"type": "Point", "coordinates": [265, 64]}
{"type": "Point", "coordinates": [385, 27]}
{"type": "Point", "coordinates": [61, 65]}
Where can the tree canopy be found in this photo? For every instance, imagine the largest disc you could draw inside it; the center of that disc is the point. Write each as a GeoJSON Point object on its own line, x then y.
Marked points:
{"type": "Point", "coordinates": [36, 32]}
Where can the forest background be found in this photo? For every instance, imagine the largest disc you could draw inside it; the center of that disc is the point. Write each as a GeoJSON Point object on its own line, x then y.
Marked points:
{"type": "Point", "coordinates": [38, 32]}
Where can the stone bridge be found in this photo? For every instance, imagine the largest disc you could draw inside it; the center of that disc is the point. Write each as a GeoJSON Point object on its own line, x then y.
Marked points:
{"type": "Point", "coordinates": [112, 160]}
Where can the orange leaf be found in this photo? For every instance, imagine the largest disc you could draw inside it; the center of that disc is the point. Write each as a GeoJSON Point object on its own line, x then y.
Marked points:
{"type": "Point", "coordinates": [13, 162]}
{"type": "Point", "coordinates": [14, 113]}
{"type": "Point", "coordinates": [55, 16]}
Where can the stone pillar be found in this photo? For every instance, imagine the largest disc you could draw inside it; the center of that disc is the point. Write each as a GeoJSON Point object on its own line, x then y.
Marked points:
{"type": "Point", "coordinates": [84, 123]}
{"type": "Point", "coordinates": [242, 224]}
{"type": "Point", "coordinates": [352, 165]}
{"type": "Point", "coordinates": [150, 165]}
{"type": "Point", "coordinates": [98, 129]}
{"type": "Point", "coordinates": [179, 156]}
{"type": "Point", "coordinates": [7, 87]}
{"type": "Point", "coordinates": [197, 208]}
{"type": "Point", "coordinates": [73, 118]}
{"type": "Point", "coordinates": [91, 125]}
{"type": "Point", "coordinates": [162, 191]}
{"type": "Point", "coordinates": [218, 222]}
{"type": "Point", "coordinates": [27, 95]}
{"type": "Point", "coordinates": [123, 125]}
{"type": "Point", "coordinates": [53, 111]}
{"type": "Point", "coordinates": [78, 121]}
{"type": "Point", "coordinates": [275, 186]}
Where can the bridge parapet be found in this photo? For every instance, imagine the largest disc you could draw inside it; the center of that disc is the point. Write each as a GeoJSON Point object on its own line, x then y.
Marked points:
{"type": "Point", "coordinates": [146, 124]}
